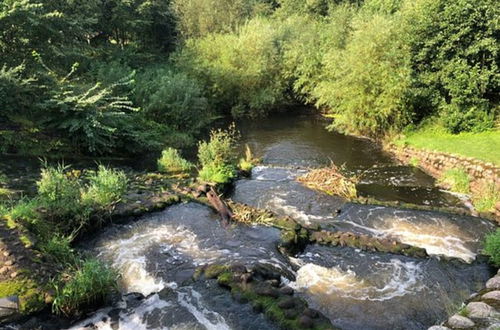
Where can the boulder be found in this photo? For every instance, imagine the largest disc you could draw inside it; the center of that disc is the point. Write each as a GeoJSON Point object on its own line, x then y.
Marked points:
{"type": "Point", "coordinates": [493, 283]}
{"type": "Point", "coordinates": [492, 295]}
{"type": "Point", "coordinates": [438, 327]}
{"type": "Point", "coordinates": [479, 310]}
{"type": "Point", "coordinates": [9, 307]}
{"type": "Point", "coordinates": [460, 322]}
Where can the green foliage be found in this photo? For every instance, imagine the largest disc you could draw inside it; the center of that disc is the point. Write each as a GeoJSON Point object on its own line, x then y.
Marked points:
{"type": "Point", "coordinates": [58, 250]}
{"type": "Point", "coordinates": [457, 179]}
{"type": "Point", "coordinates": [172, 162]}
{"type": "Point", "coordinates": [364, 85]}
{"type": "Point", "coordinates": [174, 101]}
{"type": "Point", "coordinates": [492, 247]}
{"type": "Point", "coordinates": [248, 162]}
{"type": "Point", "coordinates": [31, 297]}
{"type": "Point", "coordinates": [198, 18]}
{"type": "Point", "coordinates": [89, 284]}
{"type": "Point", "coordinates": [106, 187]}
{"type": "Point", "coordinates": [218, 156]}
{"type": "Point", "coordinates": [241, 71]}
{"type": "Point", "coordinates": [455, 60]}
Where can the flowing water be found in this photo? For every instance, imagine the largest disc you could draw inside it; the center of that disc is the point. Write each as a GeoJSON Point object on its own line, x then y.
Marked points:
{"type": "Point", "coordinates": [158, 253]}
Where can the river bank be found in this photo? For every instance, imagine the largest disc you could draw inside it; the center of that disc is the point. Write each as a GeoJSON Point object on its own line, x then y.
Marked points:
{"type": "Point", "coordinates": [352, 264]}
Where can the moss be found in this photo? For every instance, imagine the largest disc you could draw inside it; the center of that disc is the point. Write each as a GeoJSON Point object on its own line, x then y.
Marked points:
{"type": "Point", "coordinates": [26, 240]}
{"type": "Point", "coordinates": [31, 296]}
{"type": "Point", "coordinates": [225, 279]}
{"type": "Point", "coordinates": [214, 271]}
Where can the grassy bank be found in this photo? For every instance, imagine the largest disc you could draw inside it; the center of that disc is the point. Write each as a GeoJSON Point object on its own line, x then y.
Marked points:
{"type": "Point", "coordinates": [484, 146]}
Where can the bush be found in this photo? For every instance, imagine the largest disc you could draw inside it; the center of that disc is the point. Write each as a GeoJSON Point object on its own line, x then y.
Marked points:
{"type": "Point", "coordinates": [172, 162]}
{"type": "Point", "coordinates": [106, 187]}
{"type": "Point", "coordinates": [364, 86]}
{"type": "Point", "coordinates": [218, 156]}
{"type": "Point", "coordinates": [492, 247]}
{"type": "Point", "coordinates": [89, 284]}
{"type": "Point", "coordinates": [457, 179]}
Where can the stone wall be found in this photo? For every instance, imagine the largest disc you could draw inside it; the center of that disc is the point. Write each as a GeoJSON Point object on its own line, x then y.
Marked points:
{"type": "Point", "coordinates": [436, 163]}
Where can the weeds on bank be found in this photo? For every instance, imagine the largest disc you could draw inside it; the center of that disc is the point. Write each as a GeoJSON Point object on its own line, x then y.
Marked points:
{"type": "Point", "coordinates": [331, 181]}
{"type": "Point", "coordinates": [248, 162]}
{"type": "Point", "coordinates": [486, 197]}
{"type": "Point", "coordinates": [218, 156]}
{"type": "Point", "coordinates": [66, 202]}
{"type": "Point", "coordinates": [171, 162]}
{"type": "Point", "coordinates": [492, 247]}
{"type": "Point", "coordinates": [457, 180]}
{"type": "Point", "coordinates": [86, 285]}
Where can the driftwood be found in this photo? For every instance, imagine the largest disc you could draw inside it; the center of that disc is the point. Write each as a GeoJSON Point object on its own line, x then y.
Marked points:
{"type": "Point", "coordinates": [219, 205]}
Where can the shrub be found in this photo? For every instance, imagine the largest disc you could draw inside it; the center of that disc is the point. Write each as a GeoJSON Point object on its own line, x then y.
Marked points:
{"type": "Point", "coordinates": [485, 199]}
{"type": "Point", "coordinates": [218, 156]}
{"type": "Point", "coordinates": [58, 249]}
{"type": "Point", "coordinates": [106, 187]}
{"type": "Point", "coordinates": [175, 102]}
{"type": "Point", "coordinates": [457, 180]}
{"type": "Point", "coordinates": [55, 186]}
{"type": "Point", "coordinates": [492, 247]}
{"type": "Point", "coordinates": [172, 162]}
{"type": "Point", "coordinates": [89, 284]}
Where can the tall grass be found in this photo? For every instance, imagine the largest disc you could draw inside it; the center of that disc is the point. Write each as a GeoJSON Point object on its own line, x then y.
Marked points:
{"type": "Point", "coordinates": [171, 162]}
{"type": "Point", "coordinates": [87, 285]}
{"type": "Point", "coordinates": [486, 197]}
{"type": "Point", "coordinates": [106, 187]}
{"type": "Point", "coordinates": [457, 180]}
{"type": "Point", "coordinates": [492, 247]}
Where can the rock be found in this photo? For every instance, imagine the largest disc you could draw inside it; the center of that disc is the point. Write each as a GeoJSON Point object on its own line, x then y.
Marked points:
{"type": "Point", "coordinates": [6, 253]}
{"type": "Point", "coordinates": [257, 307]}
{"type": "Point", "coordinates": [9, 306]}
{"type": "Point", "coordinates": [493, 283]}
{"type": "Point", "coordinates": [460, 322]}
{"type": "Point", "coordinates": [13, 275]}
{"type": "Point", "coordinates": [286, 290]}
{"type": "Point", "coordinates": [273, 283]}
{"type": "Point", "coordinates": [479, 310]}
{"type": "Point", "coordinates": [290, 314]}
{"type": "Point", "coordinates": [306, 322]}
{"type": "Point", "coordinates": [269, 292]}
{"type": "Point", "coordinates": [9, 263]}
{"type": "Point", "coordinates": [4, 270]}
{"type": "Point", "coordinates": [311, 313]}
{"type": "Point", "coordinates": [287, 303]}
{"type": "Point", "coordinates": [492, 295]}
{"type": "Point", "coordinates": [438, 327]}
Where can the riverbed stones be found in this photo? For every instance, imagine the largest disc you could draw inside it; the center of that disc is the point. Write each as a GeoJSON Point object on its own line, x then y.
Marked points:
{"type": "Point", "coordinates": [286, 290]}
{"type": "Point", "coordinates": [438, 327]}
{"type": "Point", "coordinates": [311, 313]}
{"type": "Point", "coordinates": [493, 283]}
{"type": "Point", "coordinates": [460, 322]}
{"type": "Point", "coordinates": [286, 303]}
{"type": "Point", "coordinates": [479, 310]}
{"type": "Point", "coordinates": [492, 295]}
{"type": "Point", "coordinates": [306, 322]}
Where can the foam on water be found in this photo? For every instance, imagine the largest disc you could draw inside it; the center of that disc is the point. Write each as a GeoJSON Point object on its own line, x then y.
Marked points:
{"type": "Point", "coordinates": [191, 300]}
{"type": "Point", "coordinates": [129, 255]}
{"type": "Point", "coordinates": [402, 278]}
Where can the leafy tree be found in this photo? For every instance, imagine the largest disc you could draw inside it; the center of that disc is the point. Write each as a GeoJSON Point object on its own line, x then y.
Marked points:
{"type": "Point", "coordinates": [455, 56]}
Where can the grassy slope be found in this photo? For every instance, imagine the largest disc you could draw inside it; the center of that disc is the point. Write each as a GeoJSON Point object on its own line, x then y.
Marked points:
{"type": "Point", "coordinates": [484, 146]}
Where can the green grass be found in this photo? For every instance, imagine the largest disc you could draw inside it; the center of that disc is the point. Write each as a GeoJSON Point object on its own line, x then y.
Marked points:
{"type": "Point", "coordinates": [84, 287]}
{"type": "Point", "coordinates": [31, 297]}
{"type": "Point", "coordinates": [172, 162]}
{"type": "Point", "coordinates": [485, 199]}
{"type": "Point", "coordinates": [457, 180]}
{"type": "Point", "coordinates": [106, 187]}
{"type": "Point", "coordinates": [492, 247]}
{"type": "Point", "coordinates": [484, 146]}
